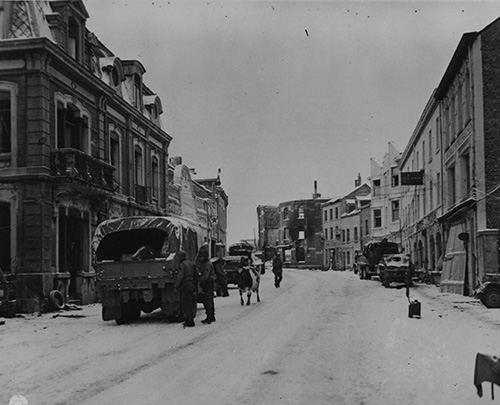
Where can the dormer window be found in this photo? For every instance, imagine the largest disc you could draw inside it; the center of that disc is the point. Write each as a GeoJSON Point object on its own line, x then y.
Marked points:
{"type": "Point", "coordinates": [73, 38]}
{"type": "Point", "coordinates": [115, 77]}
{"type": "Point", "coordinates": [113, 69]}
{"type": "Point", "coordinates": [137, 91]}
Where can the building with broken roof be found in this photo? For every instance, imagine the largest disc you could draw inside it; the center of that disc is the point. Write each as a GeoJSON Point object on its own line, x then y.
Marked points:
{"type": "Point", "coordinates": [81, 140]}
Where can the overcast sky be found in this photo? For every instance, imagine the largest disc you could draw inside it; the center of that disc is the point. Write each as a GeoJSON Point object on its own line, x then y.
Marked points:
{"type": "Point", "coordinates": [278, 93]}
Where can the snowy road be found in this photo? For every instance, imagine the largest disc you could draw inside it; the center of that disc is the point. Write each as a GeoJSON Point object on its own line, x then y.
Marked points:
{"type": "Point", "coordinates": [323, 338]}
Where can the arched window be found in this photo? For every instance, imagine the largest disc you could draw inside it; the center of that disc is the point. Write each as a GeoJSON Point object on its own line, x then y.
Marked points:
{"type": "Point", "coordinates": [139, 165]}
{"type": "Point", "coordinates": [155, 172]}
{"type": "Point", "coordinates": [115, 158]}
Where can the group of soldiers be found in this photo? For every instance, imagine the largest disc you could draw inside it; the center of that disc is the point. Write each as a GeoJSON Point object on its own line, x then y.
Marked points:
{"type": "Point", "coordinates": [199, 277]}
{"type": "Point", "coordinates": [192, 277]}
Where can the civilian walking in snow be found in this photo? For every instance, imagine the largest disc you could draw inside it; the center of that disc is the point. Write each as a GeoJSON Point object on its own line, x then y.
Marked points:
{"type": "Point", "coordinates": [186, 283]}
{"type": "Point", "coordinates": [206, 275]}
{"type": "Point", "coordinates": [277, 270]}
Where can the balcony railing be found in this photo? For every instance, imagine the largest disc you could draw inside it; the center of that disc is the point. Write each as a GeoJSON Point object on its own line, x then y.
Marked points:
{"type": "Point", "coordinates": [73, 163]}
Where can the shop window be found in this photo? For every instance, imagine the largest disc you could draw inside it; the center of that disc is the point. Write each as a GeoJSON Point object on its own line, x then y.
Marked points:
{"type": "Point", "coordinates": [5, 121]}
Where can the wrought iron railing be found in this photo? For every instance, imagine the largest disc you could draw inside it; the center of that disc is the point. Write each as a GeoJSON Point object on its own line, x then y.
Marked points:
{"type": "Point", "coordinates": [73, 163]}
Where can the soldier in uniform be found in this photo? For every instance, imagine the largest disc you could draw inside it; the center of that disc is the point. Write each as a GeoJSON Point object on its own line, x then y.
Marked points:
{"type": "Point", "coordinates": [206, 277]}
{"type": "Point", "coordinates": [186, 284]}
{"type": "Point", "coordinates": [277, 270]}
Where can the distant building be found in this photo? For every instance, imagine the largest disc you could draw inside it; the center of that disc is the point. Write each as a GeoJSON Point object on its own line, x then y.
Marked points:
{"type": "Point", "coordinates": [299, 234]}
{"type": "Point", "coordinates": [386, 197]}
{"type": "Point", "coordinates": [268, 219]}
{"type": "Point", "coordinates": [343, 226]}
{"type": "Point", "coordinates": [203, 201]}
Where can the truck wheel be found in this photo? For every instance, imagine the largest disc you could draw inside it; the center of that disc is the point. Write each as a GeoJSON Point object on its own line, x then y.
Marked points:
{"type": "Point", "coordinates": [121, 321]}
{"type": "Point", "coordinates": [56, 299]}
{"type": "Point", "coordinates": [133, 312]}
{"type": "Point", "coordinates": [491, 298]}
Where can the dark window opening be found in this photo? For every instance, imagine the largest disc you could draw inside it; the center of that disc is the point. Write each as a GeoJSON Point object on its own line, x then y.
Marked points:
{"type": "Point", "coordinates": [139, 166]}
{"type": "Point", "coordinates": [5, 225]}
{"type": "Point", "coordinates": [155, 169]}
{"type": "Point", "coordinates": [72, 128]}
{"type": "Point", "coordinates": [73, 244]}
{"type": "Point", "coordinates": [377, 218]}
{"type": "Point", "coordinates": [5, 122]}
{"type": "Point", "coordinates": [73, 38]}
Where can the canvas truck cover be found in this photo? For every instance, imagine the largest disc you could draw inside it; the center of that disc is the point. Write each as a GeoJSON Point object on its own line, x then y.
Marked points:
{"type": "Point", "coordinates": [120, 237]}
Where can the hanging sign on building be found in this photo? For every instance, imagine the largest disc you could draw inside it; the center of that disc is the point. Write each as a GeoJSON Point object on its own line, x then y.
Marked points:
{"type": "Point", "coordinates": [412, 178]}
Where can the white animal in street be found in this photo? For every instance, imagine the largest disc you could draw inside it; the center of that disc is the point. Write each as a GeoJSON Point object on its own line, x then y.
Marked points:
{"type": "Point", "coordinates": [249, 280]}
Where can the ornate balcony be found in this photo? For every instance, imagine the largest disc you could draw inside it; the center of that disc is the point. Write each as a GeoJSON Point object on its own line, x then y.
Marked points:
{"type": "Point", "coordinates": [75, 164]}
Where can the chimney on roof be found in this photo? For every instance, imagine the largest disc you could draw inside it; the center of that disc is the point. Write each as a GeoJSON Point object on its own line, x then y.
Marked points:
{"type": "Point", "coordinates": [357, 181]}
{"type": "Point", "coordinates": [316, 194]}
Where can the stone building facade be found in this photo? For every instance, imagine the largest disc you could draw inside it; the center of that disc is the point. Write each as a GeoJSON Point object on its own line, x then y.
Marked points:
{"type": "Point", "coordinates": [81, 141]}
{"type": "Point", "coordinates": [300, 233]}
{"type": "Point", "coordinates": [268, 220]}
{"type": "Point", "coordinates": [386, 197]}
{"type": "Point", "coordinates": [345, 226]}
{"type": "Point", "coordinates": [421, 204]}
{"type": "Point", "coordinates": [453, 219]}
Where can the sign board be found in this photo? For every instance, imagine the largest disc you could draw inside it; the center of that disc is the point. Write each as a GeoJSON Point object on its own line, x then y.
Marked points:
{"type": "Point", "coordinates": [412, 178]}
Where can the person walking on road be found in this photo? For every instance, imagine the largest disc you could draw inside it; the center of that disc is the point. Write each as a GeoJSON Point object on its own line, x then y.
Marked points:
{"type": "Point", "coordinates": [206, 274]}
{"type": "Point", "coordinates": [277, 270]}
{"type": "Point", "coordinates": [186, 284]}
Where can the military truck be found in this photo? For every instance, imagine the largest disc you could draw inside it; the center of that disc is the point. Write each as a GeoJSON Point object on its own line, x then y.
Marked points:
{"type": "Point", "coordinates": [372, 254]}
{"type": "Point", "coordinates": [135, 265]}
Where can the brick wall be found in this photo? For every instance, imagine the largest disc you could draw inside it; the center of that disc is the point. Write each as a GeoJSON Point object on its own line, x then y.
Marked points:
{"type": "Point", "coordinates": [490, 41]}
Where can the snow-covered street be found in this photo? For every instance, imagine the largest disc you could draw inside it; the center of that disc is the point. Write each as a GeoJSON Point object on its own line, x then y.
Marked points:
{"type": "Point", "coordinates": [322, 338]}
